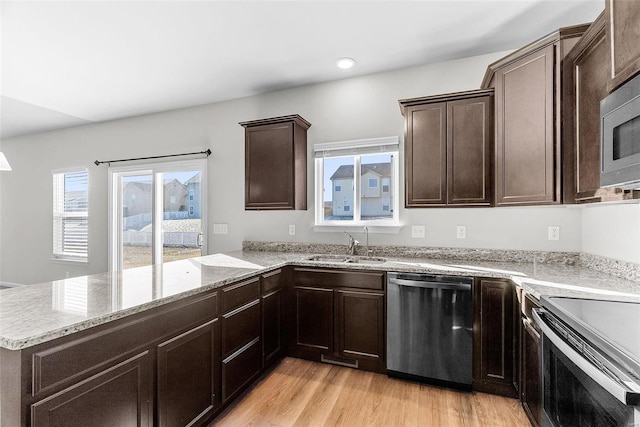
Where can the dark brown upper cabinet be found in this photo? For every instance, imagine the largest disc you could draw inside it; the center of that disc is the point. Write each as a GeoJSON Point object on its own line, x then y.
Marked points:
{"type": "Point", "coordinates": [448, 140]}
{"type": "Point", "coordinates": [528, 120]}
{"type": "Point", "coordinates": [623, 33]}
{"type": "Point", "coordinates": [586, 76]}
{"type": "Point", "coordinates": [276, 163]}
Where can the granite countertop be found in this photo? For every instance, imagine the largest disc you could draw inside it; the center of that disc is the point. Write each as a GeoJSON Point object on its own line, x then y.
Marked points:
{"type": "Point", "coordinates": [33, 314]}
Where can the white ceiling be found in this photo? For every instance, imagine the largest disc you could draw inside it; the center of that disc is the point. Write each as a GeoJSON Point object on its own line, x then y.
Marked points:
{"type": "Point", "coordinates": [67, 63]}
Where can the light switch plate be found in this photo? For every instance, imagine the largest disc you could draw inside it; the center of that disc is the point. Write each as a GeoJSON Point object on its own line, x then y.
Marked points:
{"type": "Point", "coordinates": [461, 232]}
{"type": "Point", "coordinates": [417, 231]}
{"type": "Point", "coordinates": [220, 228]}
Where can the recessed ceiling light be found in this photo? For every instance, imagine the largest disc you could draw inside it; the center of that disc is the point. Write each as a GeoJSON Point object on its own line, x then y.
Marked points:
{"type": "Point", "coordinates": [345, 63]}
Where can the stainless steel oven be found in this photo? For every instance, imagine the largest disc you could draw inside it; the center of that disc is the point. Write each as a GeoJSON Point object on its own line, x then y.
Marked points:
{"type": "Point", "coordinates": [590, 362]}
{"type": "Point", "coordinates": [620, 137]}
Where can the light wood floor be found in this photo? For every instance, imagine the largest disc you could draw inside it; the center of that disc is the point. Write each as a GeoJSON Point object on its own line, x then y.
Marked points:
{"type": "Point", "coordinates": [303, 393]}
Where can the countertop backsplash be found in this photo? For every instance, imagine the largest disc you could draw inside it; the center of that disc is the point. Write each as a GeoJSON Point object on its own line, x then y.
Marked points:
{"type": "Point", "coordinates": [451, 254]}
{"type": "Point", "coordinates": [622, 269]}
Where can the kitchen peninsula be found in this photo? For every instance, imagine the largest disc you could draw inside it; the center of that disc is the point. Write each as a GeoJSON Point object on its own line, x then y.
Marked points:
{"type": "Point", "coordinates": [142, 330]}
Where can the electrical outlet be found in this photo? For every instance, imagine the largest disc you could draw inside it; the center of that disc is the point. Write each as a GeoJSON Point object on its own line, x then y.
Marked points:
{"type": "Point", "coordinates": [220, 228]}
{"type": "Point", "coordinates": [461, 232]}
{"type": "Point", "coordinates": [554, 232]}
{"type": "Point", "coordinates": [417, 231]}
{"type": "Point", "coordinates": [292, 230]}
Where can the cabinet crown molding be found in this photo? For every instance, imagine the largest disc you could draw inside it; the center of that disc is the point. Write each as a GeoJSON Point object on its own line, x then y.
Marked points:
{"type": "Point", "coordinates": [554, 37]}
{"type": "Point", "coordinates": [454, 96]}
{"type": "Point", "coordinates": [274, 120]}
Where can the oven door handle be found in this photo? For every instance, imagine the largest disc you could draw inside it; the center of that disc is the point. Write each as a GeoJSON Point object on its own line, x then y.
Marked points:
{"type": "Point", "coordinates": [623, 394]}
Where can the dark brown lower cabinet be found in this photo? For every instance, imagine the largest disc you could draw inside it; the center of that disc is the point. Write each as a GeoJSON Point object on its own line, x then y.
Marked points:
{"type": "Point", "coordinates": [313, 322]}
{"type": "Point", "coordinates": [241, 348]}
{"type": "Point", "coordinates": [531, 383]}
{"type": "Point", "coordinates": [495, 339]}
{"type": "Point", "coordinates": [240, 369]}
{"type": "Point", "coordinates": [189, 376]}
{"type": "Point", "coordinates": [360, 326]}
{"type": "Point", "coordinates": [272, 334]}
{"type": "Point", "coordinates": [119, 396]}
{"type": "Point", "coordinates": [530, 364]}
{"type": "Point", "coordinates": [339, 316]}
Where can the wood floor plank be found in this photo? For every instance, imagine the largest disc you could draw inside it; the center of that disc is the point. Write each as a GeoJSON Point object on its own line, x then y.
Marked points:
{"type": "Point", "coordinates": [303, 393]}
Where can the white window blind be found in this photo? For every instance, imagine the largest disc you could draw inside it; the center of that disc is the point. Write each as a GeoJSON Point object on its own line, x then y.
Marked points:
{"type": "Point", "coordinates": [357, 147]}
{"type": "Point", "coordinates": [71, 215]}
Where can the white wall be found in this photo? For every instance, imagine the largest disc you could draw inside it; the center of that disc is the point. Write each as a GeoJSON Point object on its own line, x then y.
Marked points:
{"type": "Point", "coordinates": [362, 107]}
{"type": "Point", "coordinates": [612, 231]}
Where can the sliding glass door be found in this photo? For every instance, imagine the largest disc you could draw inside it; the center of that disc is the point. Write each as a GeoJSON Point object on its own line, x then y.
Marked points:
{"type": "Point", "coordinates": [157, 213]}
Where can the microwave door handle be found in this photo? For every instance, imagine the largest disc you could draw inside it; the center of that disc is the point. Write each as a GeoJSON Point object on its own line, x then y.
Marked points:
{"type": "Point", "coordinates": [624, 395]}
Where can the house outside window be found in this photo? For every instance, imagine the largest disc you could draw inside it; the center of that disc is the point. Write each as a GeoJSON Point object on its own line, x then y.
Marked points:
{"type": "Point", "coordinates": [361, 166]}
{"type": "Point", "coordinates": [71, 215]}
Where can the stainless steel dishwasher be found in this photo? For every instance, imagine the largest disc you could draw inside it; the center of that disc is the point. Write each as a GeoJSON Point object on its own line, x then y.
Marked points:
{"type": "Point", "coordinates": [430, 328]}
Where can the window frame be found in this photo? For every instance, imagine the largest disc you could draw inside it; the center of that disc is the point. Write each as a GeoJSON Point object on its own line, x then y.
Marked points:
{"type": "Point", "coordinates": [116, 173]}
{"type": "Point", "coordinates": [356, 149]}
{"type": "Point", "coordinates": [59, 214]}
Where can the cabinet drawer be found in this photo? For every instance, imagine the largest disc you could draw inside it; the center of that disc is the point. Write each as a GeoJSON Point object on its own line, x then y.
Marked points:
{"type": "Point", "coordinates": [241, 368]}
{"type": "Point", "coordinates": [339, 278]}
{"type": "Point", "coordinates": [240, 293]}
{"type": "Point", "coordinates": [240, 326]}
{"type": "Point", "coordinates": [271, 281]}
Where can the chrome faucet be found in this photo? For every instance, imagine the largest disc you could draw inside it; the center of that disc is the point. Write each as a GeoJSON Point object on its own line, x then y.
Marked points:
{"type": "Point", "coordinates": [366, 233]}
{"type": "Point", "coordinates": [353, 243]}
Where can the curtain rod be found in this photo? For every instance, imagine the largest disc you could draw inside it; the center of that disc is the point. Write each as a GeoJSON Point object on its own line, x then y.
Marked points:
{"type": "Point", "coordinates": [98, 162]}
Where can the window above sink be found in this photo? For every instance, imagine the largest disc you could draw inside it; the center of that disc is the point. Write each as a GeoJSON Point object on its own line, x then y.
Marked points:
{"type": "Point", "coordinates": [357, 185]}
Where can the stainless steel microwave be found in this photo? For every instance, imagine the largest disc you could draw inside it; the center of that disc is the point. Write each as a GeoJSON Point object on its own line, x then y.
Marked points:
{"type": "Point", "coordinates": [620, 137]}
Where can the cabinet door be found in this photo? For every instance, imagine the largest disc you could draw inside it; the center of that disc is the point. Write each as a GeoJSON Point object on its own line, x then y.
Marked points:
{"type": "Point", "coordinates": [425, 155]}
{"type": "Point", "coordinates": [313, 322]}
{"type": "Point", "coordinates": [531, 376]}
{"type": "Point", "coordinates": [494, 337]}
{"type": "Point", "coordinates": [525, 157]}
{"type": "Point", "coordinates": [119, 396]}
{"type": "Point", "coordinates": [188, 376]}
{"type": "Point", "coordinates": [360, 328]}
{"type": "Point", "coordinates": [623, 34]}
{"type": "Point", "coordinates": [469, 141]}
{"type": "Point", "coordinates": [585, 77]}
{"type": "Point", "coordinates": [272, 327]}
{"type": "Point", "coordinates": [269, 167]}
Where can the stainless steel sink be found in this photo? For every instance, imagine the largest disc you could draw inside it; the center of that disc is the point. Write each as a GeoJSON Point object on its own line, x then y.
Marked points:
{"type": "Point", "coordinates": [366, 260]}
{"type": "Point", "coordinates": [329, 258]}
{"type": "Point", "coordinates": [347, 259]}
